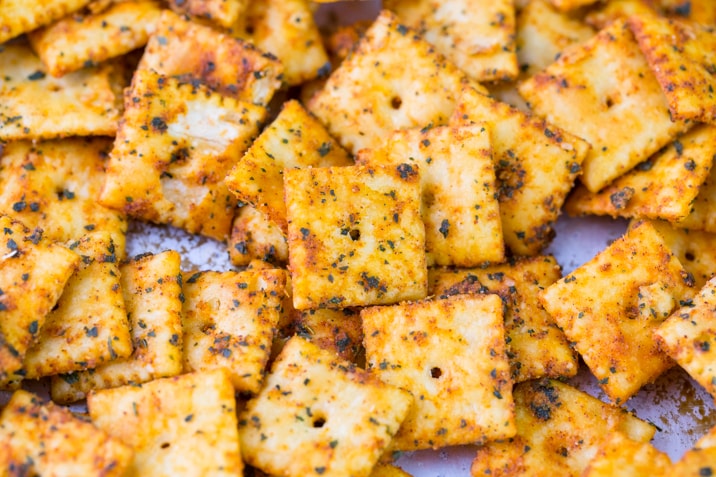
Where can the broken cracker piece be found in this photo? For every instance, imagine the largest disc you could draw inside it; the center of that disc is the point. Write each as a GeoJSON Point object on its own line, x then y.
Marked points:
{"type": "Point", "coordinates": [255, 237]}
{"type": "Point", "coordinates": [339, 331]}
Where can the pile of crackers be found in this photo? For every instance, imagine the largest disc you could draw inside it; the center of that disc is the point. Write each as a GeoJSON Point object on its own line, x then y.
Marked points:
{"type": "Point", "coordinates": [385, 190]}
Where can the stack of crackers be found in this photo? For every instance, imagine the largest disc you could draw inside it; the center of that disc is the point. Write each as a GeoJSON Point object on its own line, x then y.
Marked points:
{"type": "Point", "coordinates": [385, 190]}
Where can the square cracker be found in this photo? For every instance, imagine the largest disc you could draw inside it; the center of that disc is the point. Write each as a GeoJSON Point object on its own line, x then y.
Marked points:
{"type": "Point", "coordinates": [151, 286]}
{"type": "Point", "coordinates": [459, 204]}
{"type": "Point", "coordinates": [620, 455]}
{"type": "Point", "coordinates": [229, 320]}
{"type": "Point", "coordinates": [559, 429]}
{"type": "Point", "coordinates": [478, 36]}
{"type": "Point", "coordinates": [610, 306]}
{"type": "Point", "coordinates": [535, 162]}
{"type": "Point", "coordinates": [87, 39]}
{"type": "Point", "coordinates": [689, 334]}
{"type": "Point", "coordinates": [536, 347]}
{"type": "Point", "coordinates": [21, 16]}
{"type": "Point", "coordinates": [608, 81]}
{"type": "Point", "coordinates": [255, 237]}
{"type": "Point", "coordinates": [662, 187]}
{"type": "Point", "coordinates": [175, 145]}
{"type": "Point", "coordinates": [83, 103]}
{"type": "Point", "coordinates": [295, 139]}
{"type": "Point", "coordinates": [320, 415]}
{"type": "Point", "coordinates": [693, 248]}
{"type": "Point", "coordinates": [450, 354]}
{"type": "Point", "coordinates": [682, 56]}
{"type": "Point", "coordinates": [224, 13]}
{"type": "Point", "coordinates": [197, 53]}
{"type": "Point", "coordinates": [41, 438]}
{"type": "Point", "coordinates": [89, 325]}
{"type": "Point", "coordinates": [355, 236]}
{"type": "Point", "coordinates": [286, 29]}
{"type": "Point", "coordinates": [33, 273]}
{"type": "Point", "coordinates": [376, 91]}
{"type": "Point", "coordinates": [54, 185]}
{"type": "Point", "coordinates": [179, 426]}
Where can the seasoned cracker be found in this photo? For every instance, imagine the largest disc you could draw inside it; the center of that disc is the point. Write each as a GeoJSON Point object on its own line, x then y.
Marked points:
{"type": "Point", "coordinates": [33, 273]}
{"type": "Point", "coordinates": [694, 249]}
{"type": "Point", "coordinates": [197, 53]}
{"type": "Point", "coordinates": [89, 325]}
{"type": "Point", "coordinates": [702, 215]}
{"type": "Point", "coordinates": [699, 11]}
{"type": "Point", "coordinates": [569, 5]}
{"type": "Point", "coordinates": [229, 320]}
{"type": "Point", "coordinates": [478, 36]}
{"type": "Point", "coordinates": [54, 185]}
{"type": "Point", "coordinates": [620, 455]}
{"type": "Point", "coordinates": [83, 40]}
{"type": "Point", "coordinates": [608, 81]}
{"type": "Point", "coordinates": [224, 13]}
{"type": "Point", "coordinates": [615, 10]}
{"type": "Point", "coordinates": [559, 429]}
{"type": "Point", "coordinates": [84, 103]}
{"type": "Point", "coordinates": [376, 91]}
{"type": "Point", "coordinates": [355, 236]}
{"type": "Point", "coordinates": [319, 415]}
{"type": "Point", "coordinates": [151, 286]}
{"type": "Point", "coordinates": [175, 145]}
{"type": "Point", "coordinates": [536, 347]}
{"type": "Point", "coordinates": [450, 354]}
{"type": "Point", "coordinates": [180, 426]}
{"type": "Point", "coordinates": [40, 438]}
{"type": "Point", "coordinates": [21, 16]}
{"type": "Point", "coordinates": [536, 164]}
{"type": "Point", "coordinates": [689, 333]}
{"type": "Point", "coordinates": [255, 237]}
{"type": "Point", "coordinates": [459, 204]}
{"type": "Point", "coordinates": [682, 57]}
{"type": "Point", "coordinates": [340, 331]}
{"type": "Point", "coordinates": [286, 29]}
{"type": "Point", "coordinates": [696, 462]}
{"type": "Point", "coordinates": [662, 187]}
{"type": "Point", "coordinates": [610, 306]}
{"type": "Point", "coordinates": [295, 139]}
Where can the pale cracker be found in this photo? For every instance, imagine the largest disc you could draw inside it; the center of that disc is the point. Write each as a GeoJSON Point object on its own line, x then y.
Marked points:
{"type": "Point", "coordinates": [355, 236]}
{"type": "Point", "coordinates": [620, 455]}
{"type": "Point", "coordinates": [608, 81]}
{"type": "Point", "coordinates": [610, 306]}
{"type": "Point", "coordinates": [151, 285]}
{"type": "Point", "coordinates": [255, 237]}
{"type": "Point", "coordinates": [559, 429]}
{"type": "Point", "coordinates": [295, 139]}
{"type": "Point", "coordinates": [21, 16]}
{"type": "Point", "coordinates": [320, 415]}
{"type": "Point", "coordinates": [179, 426]}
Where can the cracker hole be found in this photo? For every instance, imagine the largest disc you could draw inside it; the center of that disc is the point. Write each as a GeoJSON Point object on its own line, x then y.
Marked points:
{"type": "Point", "coordinates": [354, 234]}
{"type": "Point", "coordinates": [689, 256]}
{"type": "Point", "coordinates": [436, 372]}
{"type": "Point", "coordinates": [396, 102]}
{"type": "Point", "coordinates": [319, 422]}
{"type": "Point", "coordinates": [165, 445]}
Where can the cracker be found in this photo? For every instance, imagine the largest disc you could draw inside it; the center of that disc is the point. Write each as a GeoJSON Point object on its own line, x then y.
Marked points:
{"type": "Point", "coordinates": [610, 306]}
{"type": "Point", "coordinates": [615, 10]}
{"type": "Point", "coordinates": [295, 139]}
{"type": "Point", "coordinates": [21, 16]}
{"type": "Point", "coordinates": [197, 53]}
{"type": "Point", "coordinates": [286, 28]}
{"type": "Point", "coordinates": [183, 425]}
{"type": "Point", "coordinates": [543, 33]}
{"type": "Point", "coordinates": [569, 5]}
{"type": "Point", "coordinates": [699, 11]}
{"type": "Point", "coordinates": [450, 354]}
{"type": "Point", "coordinates": [224, 13]}
{"type": "Point", "coordinates": [702, 215]}
{"type": "Point", "coordinates": [54, 185]}
{"type": "Point", "coordinates": [682, 57]}
{"type": "Point", "coordinates": [319, 415]}
{"type": "Point", "coordinates": [83, 40]}
{"type": "Point", "coordinates": [33, 273]}
{"type": "Point", "coordinates": [41, 438]}
{"type": "Point", "coordinates": [84, 103]}
{"type": "Point", "coordinates": [151, 286]}
{"type": "Point", "coordinates": [536, 164]}
{"type": "Point", "coordinates": [662, 187]}
{"type": "Point", "coordinates": [693, 248]}
{"type": "Point", "coordinates": [229, 320]}
{"type": "Point", "coordinates": [559, 429]}
{"type": "Point", "coordinates": [376, 91]}
{"type": "Point", "coordinates": [478, 36]}
{"type": "Point", "coordinates": [689, 333]}
{"type": "Point", "coordinates": [355, 236]}
{"type": "Point", "coordinates": [608, 81]}
{"type": "Point", "coordinates": [340, 331]}
{"type": "Point", "coordinates": [695, 462]}
{"type": "Point", "coordinates": [175, 145]}
{"type": "Point", "coordinates": [89, 325]}
{"type": "Point", "coordinates": [620, 455]}
{"type": "Point", "coordinates": [536, 347]}
{"type": "Point", "coordinates": [460, 212]}
{"type": "Point", "coordinates": [254, 237]}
